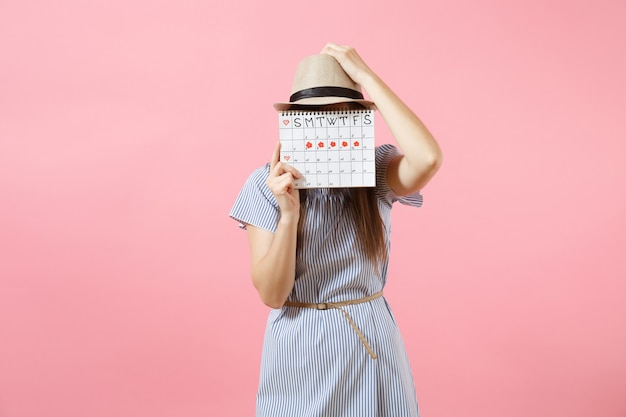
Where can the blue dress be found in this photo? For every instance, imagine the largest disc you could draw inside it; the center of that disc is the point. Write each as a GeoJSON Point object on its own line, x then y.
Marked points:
{"type": "Point", "coordinates": [313, 363]}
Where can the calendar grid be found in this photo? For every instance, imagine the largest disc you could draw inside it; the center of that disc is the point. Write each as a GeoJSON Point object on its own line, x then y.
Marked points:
{"type": "Point", "coordinates": [330, 148]}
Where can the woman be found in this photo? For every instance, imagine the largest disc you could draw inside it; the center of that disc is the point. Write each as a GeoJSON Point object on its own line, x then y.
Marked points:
{"type": "Point", "coordinates": [319, 258]}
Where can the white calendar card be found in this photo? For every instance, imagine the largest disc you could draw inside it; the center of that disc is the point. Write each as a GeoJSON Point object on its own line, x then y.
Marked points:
{"type": "Point", "coordinates": [330, 148]}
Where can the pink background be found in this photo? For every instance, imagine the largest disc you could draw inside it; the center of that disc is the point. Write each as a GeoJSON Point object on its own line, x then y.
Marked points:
{"type": "Point", "coordinates": [128, 128]}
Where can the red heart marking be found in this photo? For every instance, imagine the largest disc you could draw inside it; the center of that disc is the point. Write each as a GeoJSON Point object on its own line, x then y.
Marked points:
{"type": "Point", "coordinates": [285, 122]}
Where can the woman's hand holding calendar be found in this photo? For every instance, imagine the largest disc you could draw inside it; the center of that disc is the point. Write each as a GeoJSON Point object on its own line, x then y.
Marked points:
{"type": "Point", "coordinates": [281, 182]}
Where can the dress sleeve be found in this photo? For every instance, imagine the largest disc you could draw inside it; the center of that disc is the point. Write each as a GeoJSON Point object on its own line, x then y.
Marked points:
{"type": "Point", "coordinates": [256, 204]}
{"type": "Point", "coordinates": [384, 155]}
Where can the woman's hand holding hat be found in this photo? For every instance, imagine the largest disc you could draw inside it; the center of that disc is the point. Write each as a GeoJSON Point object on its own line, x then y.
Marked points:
{"type": "Point", "coordinates": [421, 157]}
{"type": "Point", "coordinates": [350, 61]}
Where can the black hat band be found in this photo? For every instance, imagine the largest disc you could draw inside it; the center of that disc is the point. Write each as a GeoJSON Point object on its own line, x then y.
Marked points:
{"type": "Point", "coordinates": [326, 92]}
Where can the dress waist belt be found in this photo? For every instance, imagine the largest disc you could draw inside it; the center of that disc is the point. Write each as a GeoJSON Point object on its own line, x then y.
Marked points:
{"type": "Point", "coordinates": [338, 305]}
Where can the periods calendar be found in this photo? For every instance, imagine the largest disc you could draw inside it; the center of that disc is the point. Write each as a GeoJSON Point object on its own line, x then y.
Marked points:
{"type": "Point", "coordinates": [330, 148]}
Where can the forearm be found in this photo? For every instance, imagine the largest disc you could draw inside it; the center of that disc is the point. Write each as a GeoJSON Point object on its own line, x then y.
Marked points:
{"type": "Point", "coordinates": [273, 275]}
{"type": "Point", "coordinates": [421, 150]}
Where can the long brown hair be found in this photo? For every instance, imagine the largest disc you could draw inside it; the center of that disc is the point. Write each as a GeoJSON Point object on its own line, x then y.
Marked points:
{"type": "Point", "coordinates": [360, 204]}
{"type": "Point", "coordinates": [361, 207]}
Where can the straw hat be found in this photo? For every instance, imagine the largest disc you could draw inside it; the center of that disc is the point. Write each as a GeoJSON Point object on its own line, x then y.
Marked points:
{"type": "Point", "coordinates": [320, 80]}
